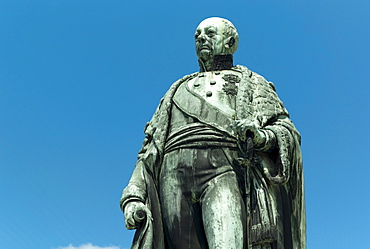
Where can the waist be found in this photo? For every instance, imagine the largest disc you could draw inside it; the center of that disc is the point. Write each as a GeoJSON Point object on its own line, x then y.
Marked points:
{"type": "Point", "coordinates": [198, 135]}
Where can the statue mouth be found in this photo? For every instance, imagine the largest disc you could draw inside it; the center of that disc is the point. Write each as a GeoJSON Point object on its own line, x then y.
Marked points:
{"type": "Point", "coordinates": [205, 47]}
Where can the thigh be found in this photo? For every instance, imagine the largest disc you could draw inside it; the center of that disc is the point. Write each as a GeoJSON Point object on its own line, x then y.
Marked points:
{"type": "Point", "coordinates": [223, 212]}
{"type": "Point", "coordinates": [182, 218]}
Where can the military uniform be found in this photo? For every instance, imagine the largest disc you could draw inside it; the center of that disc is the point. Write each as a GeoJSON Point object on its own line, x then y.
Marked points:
{"type": "Point", "coordinates": [188, 175]}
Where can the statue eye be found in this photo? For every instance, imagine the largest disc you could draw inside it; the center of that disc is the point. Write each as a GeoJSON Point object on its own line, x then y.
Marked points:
{"type": "Point", "coordinates": [211, 32]}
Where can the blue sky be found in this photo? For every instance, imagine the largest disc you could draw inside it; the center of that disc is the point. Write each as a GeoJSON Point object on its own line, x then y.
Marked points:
{"type": "Point", "coordinates": [79, 79]}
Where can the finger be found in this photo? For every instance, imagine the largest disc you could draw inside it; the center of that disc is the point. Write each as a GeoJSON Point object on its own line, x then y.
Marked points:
{"type": "Point", "coordinates": [130, 223]}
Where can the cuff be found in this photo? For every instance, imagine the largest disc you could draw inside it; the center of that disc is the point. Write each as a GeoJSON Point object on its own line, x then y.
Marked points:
{"type": "Point", "coordinates": [270, 141]}
{"type": "Point", "coordinates": [132, 193]}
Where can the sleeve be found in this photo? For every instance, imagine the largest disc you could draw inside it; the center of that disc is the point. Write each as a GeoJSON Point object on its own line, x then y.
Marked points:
{"type": "Point", "coordinates": [282, 155]}
{"type": "Point", "coordinates": [136, 189]}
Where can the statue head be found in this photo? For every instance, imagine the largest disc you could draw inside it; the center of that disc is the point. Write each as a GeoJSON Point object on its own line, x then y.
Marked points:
{"type": "Point", "coordinates": [215, 36]}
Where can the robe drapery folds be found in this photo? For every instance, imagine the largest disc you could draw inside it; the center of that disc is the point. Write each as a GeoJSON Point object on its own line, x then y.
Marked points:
{"type": "Point", "coordinates": [277, 196]}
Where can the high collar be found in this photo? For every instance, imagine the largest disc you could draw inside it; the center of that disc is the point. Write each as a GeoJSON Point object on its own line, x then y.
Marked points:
{"type": "Point", "coordinates": [220, 62]}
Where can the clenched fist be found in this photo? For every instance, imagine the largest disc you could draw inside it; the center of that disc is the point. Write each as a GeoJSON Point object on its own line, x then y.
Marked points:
{"type": "Point", "coordinates": [135, 212]}
{"type": "Point", "coordinates": [243, 127]}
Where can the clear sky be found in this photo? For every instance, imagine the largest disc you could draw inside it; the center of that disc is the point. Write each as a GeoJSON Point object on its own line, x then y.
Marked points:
{"type": "Point", "coordinates": [79, 80]}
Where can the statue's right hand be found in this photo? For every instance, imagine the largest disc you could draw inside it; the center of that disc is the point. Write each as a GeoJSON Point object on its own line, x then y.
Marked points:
{"type": "Point", "coordinates": [135, 212]}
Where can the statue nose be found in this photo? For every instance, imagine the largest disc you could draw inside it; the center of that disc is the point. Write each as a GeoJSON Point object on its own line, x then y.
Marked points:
{"type": "Point", "coordinates": [201, 39]}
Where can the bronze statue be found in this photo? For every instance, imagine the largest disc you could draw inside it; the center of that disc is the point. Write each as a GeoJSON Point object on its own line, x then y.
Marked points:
{"type": "Point", "coordinates": [220, 165]}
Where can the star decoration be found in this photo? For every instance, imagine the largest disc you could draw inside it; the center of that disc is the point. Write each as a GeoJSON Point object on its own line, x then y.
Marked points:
{"type": "Point", "coordinates": [230, 86]}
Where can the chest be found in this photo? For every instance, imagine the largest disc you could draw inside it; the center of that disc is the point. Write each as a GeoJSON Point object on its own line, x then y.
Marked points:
{"type": "Point", "coordinates": [218, 88]}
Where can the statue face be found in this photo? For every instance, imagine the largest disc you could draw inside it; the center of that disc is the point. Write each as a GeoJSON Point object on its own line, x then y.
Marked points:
{"type": "Point", "coordinates": [209, 38]}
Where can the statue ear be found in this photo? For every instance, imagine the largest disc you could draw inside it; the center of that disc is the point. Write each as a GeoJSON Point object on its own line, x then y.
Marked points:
{"type": "Point", "coordinates": [230, 42]}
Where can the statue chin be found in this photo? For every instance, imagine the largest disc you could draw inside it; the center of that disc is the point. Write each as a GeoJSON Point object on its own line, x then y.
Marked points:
{"type": "Point", "coordinates": [205, 54]}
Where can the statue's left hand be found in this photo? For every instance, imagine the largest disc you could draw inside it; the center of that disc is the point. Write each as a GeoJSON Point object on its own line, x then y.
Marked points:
{"type": "Point", "coordinates": [244, 127]}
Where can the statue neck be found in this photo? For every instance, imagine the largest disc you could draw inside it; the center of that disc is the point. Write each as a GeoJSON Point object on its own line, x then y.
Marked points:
{"type": "Point", "coordinates": [220, 62]}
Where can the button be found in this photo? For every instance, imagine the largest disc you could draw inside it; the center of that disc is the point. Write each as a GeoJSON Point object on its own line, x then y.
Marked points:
{"type": "Point", "coordinates": [213, 82]}
{"type": "Point", "coordinates": [209, 94]}
{"type": "Point", "coordinates": [196, 84]}
{"type": "Point", "coordinates": [217, 73]}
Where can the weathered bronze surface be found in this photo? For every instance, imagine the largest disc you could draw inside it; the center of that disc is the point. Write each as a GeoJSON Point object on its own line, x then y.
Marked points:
{"type": "Point", "coordinates": [220, 165]}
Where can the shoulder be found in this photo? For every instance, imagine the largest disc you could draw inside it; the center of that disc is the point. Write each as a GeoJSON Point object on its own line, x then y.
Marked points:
{"type": "Point", "coordinates": [178, 82]}
{"type": "Point", "coordinates": [256, 78]}
{"type": "Point", "coordinates": [187, 77]}
{"type": "Point", "coordinates": [167, 98]}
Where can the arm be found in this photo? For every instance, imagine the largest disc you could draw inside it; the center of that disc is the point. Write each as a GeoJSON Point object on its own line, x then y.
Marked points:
{"type": "Point", "coordinates": [275, 145]}
{"type": "Point", "coordinates": [134, 197]}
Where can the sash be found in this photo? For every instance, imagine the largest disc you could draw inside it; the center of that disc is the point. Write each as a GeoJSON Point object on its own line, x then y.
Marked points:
{"type": "Point", "coordinates": [197, 107]}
